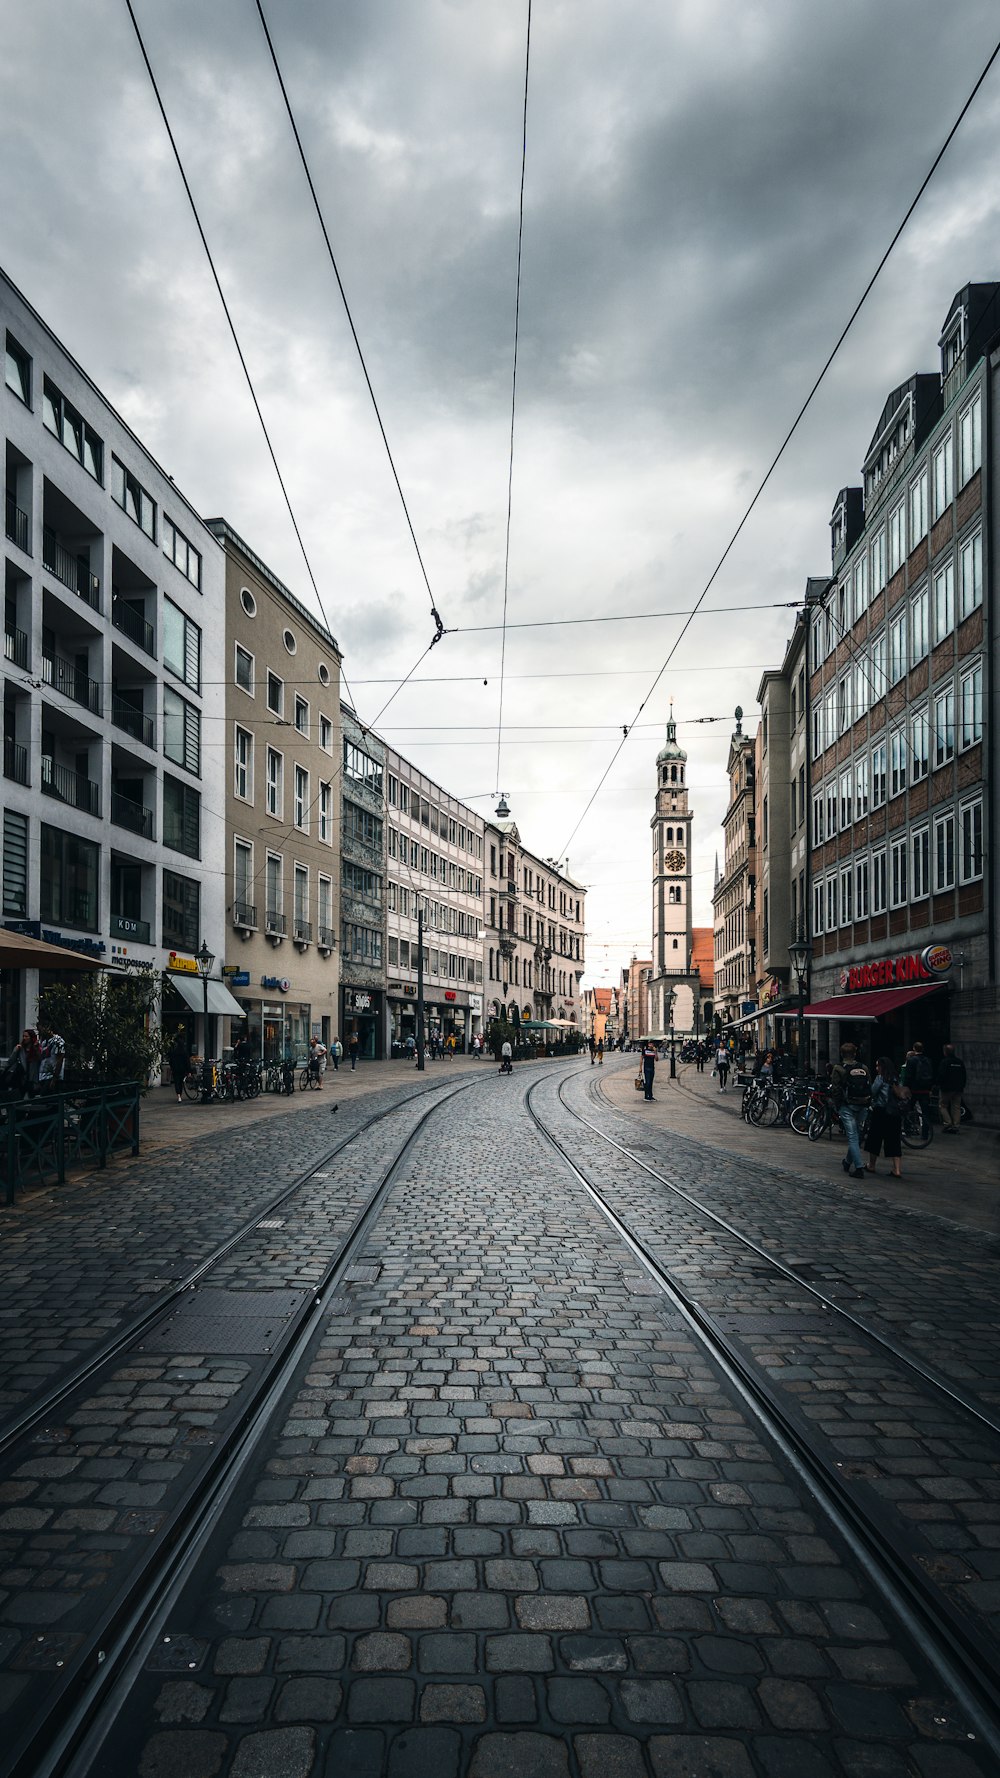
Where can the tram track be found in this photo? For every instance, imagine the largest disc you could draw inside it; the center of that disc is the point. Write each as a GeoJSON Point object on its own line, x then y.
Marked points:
{"type": "Point", "coordinates": [960, 1643]}
{"type": "Point", "coordinates": [70, 1674]}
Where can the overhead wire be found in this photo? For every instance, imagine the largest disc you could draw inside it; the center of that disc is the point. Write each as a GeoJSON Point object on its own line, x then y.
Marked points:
{"type": "Point", "coordinates": [793, 428]}
{"type": "Point", "coordinates": [513, 388]}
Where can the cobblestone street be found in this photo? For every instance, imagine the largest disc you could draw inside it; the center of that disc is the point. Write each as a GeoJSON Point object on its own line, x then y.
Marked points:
{"type": "Point", "coordinates": [510, 1517]}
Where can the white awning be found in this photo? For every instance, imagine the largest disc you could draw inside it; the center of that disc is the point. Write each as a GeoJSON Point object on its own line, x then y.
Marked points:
{"type": "Point", "coordinates": [192, 989]}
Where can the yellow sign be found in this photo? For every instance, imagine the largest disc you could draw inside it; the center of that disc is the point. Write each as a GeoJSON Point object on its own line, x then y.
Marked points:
{"type": "Point", "coordinates": [186, 965]}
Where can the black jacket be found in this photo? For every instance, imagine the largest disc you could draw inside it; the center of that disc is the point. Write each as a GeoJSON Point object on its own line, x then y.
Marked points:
{"type": "Point", "coordinates": [951, 1075]}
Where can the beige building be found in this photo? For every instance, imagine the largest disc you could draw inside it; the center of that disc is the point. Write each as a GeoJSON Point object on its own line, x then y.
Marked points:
{"type": "Point", "coordinates": [635, 986]}
{"type": "Point", "coordinates": [781, 819]}
{"type": "Point", "coordinates": [280, 757]}
{"type": "Point", "coordinates": [735, 897]}
{"type": "Point", "coordinates": [535, 916]}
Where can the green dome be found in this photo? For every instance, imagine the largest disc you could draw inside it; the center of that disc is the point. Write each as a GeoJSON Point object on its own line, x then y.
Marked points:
{"type": "Point", "coordinates": [670, 748]}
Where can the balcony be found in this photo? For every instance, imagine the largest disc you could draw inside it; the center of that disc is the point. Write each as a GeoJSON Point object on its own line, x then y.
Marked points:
{"type": "Point", "coordinates": [326, 940]}
{"type": "Point", "coordinates": [73, 571]}
{"type": "Point", "coordinates": [275, 924]}
{"type": "Point", "coordinates": [126, 813]}
{"type": "Point", "coordinates": [244, 914]}
{"type": "Point", "coordinates": [17, 525]}
{"type": "Point", "coordinates": [132, 625]}
{"type": "Point", "coordinates": [122, 926]}
{"type": "Point", "coordinates": [302, 931]}
{"type": "Point", "coordinates": [15, 648]}
{"type": "Point", "coordinates": [69, 787]}
{"type": "Point", "coordinates": [134, 723]}
{"type": "Point", "coordinates": [15, 761]}
{"type": "Point", "coordinates": [73, 682]}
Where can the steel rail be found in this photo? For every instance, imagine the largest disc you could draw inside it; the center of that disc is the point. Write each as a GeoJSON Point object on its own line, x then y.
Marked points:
{"type": "Point", "coordinates": [964, 1663]}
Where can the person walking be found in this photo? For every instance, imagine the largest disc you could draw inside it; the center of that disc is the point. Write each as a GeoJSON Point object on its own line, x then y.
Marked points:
{"type": "Point", "coordinates": [592, 1046]}
{"type": "Point", "coordinates": [951, 1085]}
{"type": "Point", "coordinates": [336, 1052]}
{"type": "Point", "coordinates": [851, 1087]}
{"type": "Point", "coordinates": [885, 1124]}
{"type": "Point", "coordinates": [20, 1073]}
{"type": "Point", "coordinates": [52, 1059]}
{"type": "Point", "coordinates": [353, 1047]}
{"type": "Point", "coordinates": [648, 1068]}
{"type": "Point", "coordinates": [179, 1059]}
{"type": "Point", "coordinates": [918, 1076]}
{"type": "Point", "coordinates": [722, 1067]}
{"type": "Point", "coordinates": [317, 1060]}
{"type": "Point", "coordinates": [600, 1051]}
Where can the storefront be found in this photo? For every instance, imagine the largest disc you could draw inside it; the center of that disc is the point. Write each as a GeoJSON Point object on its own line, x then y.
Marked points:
{"type": "Point", "coordinates": [361, 1012]}
{"type": "Point", "coordinates": [277, 1021]}
{"type": "Point", "coordinates": [185, 997]}
{"type": "Point", "coordinates": [885, 1005]}
{"type": "Point", "coordinates": [448, 1014]}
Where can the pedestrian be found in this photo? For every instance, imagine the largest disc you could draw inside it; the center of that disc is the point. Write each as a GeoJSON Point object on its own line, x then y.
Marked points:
{"type": "Point", "coordinates": [353, 1046]}
{"type": "Point", "coordinates": [918, 1076]}
{"type": "Point", "coordinates": [592, 1046]}
{"type": "Point", "coordinates": [180, 1061]}
{"type": "Point", "coordinates": [600, 1051]}
{"type": "Point", "coordinates": [20, 1072]}
{"type": "Point", "coordinates": [648, 1067]}
{"type": "Point", "coordinates": [317, 1059]}
{"type": "Point", "coordinates": [477, 1047]}
{"type": "Point", "coordinates": [722, 1066]}
{"type": "Point", "coordinates": [885, 1124]}
{"type": "Point", "coordinates": [337, 1052]}
{"type": "Point", "coordinates": [951, 1084]}
{"type": "Point", "coordinates": [52, 1059]}
{"type": "Point", "coordinates": [851, 1088]}
{"type": "Point", "coordinates": [506, 1057]}
{"type": "Point", "coordinates": [411, 1047]}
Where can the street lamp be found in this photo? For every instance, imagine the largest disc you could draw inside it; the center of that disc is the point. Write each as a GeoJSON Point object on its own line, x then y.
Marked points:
{"type": "Point", "coordinates": [800, 955]}
{"type": "Point", "coordinates": [205, 960]}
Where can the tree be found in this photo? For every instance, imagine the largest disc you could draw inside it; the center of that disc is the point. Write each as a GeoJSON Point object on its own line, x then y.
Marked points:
{"type": "Point", "coordinates": [105, 1023]}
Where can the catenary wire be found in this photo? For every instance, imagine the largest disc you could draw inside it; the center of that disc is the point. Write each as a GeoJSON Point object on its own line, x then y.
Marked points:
{"type": "Point", "coordinates": [845, 330]}
{"type": "Point", "coordinates": [513, 389]}
{"type": "Point", "coordinates": [625, 617]}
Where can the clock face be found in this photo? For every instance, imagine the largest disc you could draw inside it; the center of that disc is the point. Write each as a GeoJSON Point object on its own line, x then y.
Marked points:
{"type": "Point", "coordinates": [674, 861]}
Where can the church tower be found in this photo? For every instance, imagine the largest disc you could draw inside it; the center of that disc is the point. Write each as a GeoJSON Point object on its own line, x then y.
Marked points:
{"type": "Point", "coordinates": [672, 935]}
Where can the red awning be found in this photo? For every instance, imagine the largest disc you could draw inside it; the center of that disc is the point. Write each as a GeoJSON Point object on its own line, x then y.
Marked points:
{"type": "Point", "coordinates": [866, 1008]}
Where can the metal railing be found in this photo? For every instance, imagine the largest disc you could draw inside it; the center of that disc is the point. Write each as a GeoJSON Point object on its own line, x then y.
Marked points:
{"type": "Point", "coordinates": [15, 761]}
{"type": "Point", "coordinates": [132, 624]}
{"type": "Point", "coordinates": [17, 525]}
{"type": "Point", "coordinates": [275, 922]}
{"type": "Point", "coordinates": [40, 1138]}
{"type": "Point", "coordinates": [74, 682]}
{"type": "Point", "coordinates": [126, 716]}
{"type": "Point", "coordinates": [302, 931]}
{"type": "Point", "coordinates": [327, 938]}
{"type": "Point", "coordinates": [73, 571]}
{"type": "Point", "coordinates": [15, 648]}
{"type": "Point", "coordinates": [126, 813]}
{"type": "Point", "coordinates": [70, 787]}
{"type": "Point", "coordinates": [244, 913]}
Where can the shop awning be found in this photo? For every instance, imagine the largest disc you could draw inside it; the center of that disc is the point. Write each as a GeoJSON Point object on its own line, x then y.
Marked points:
{"type": "Point", "coordinates": [867, 1008]}
{"type": "Point", "coordinates": [191, 989]}
{"type": "Point", "coordinates": [17, 951]}
{"type": "Point", "coordinates": [747, 1019]}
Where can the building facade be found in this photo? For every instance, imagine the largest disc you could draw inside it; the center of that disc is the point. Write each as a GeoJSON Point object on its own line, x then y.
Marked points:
{"type": "Point", "coordinates": [434, 866]}
{"type": "Point", "coordinates": [534, 937]}
{"type": "Point", "coordinates": [113, 669]}
{"type": "Point", "coordinates": [735, 896]}
{"type": "Point", "coordinates": [674, 991]}
{"type": "Point", "coordinates": [362, 889]}
{"type": "Point", "coordinates": [280, 756]}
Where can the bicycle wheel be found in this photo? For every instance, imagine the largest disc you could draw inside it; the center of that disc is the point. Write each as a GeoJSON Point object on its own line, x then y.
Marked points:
{"type": "Point", "coordinates": [817, 1124]}
{"type": "Point", "coordinates": [799, 1117]}
{"type": "Point", "coordinates": [766, 1111]}
{"type": "Point", "coordinates": [303, 1079]}
{"type": "Point", "coordinates": [192, 1088]}
{"type": "Point", "coordinates": [917, 1127]}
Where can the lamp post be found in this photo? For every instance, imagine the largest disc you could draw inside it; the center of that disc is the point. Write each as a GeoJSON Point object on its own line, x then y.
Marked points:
{"type": "Point", "coordinates": [800, 955]}
{"type": "Point", "coordinates": [205, 960]}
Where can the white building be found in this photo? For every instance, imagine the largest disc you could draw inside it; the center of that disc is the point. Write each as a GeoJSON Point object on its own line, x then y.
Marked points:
{"type": "Point", "coordinates": [535, 920]}
{"type": "Point", "coordinates": [113, 701]}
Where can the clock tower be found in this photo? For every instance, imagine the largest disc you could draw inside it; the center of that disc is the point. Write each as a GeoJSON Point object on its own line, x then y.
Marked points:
{"type": "Point", "coordinates": [672, 935]}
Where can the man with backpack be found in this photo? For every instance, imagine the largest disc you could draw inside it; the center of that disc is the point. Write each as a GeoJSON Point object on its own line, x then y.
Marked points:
{"type": "Point", "coordinates": [918, 1075]}
{"type": "Point", "coordinates": [851, 1087]}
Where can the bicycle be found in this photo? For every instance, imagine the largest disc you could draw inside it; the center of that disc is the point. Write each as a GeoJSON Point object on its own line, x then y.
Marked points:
{"type": "Point", "coordinates": [309, 1077]}
{"type": "Point", "coordinates": [201, 1081]}
{"type": "Point", "coordinates": [917, 1128]}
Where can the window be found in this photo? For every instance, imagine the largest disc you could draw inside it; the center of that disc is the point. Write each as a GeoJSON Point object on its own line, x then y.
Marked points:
{"type": "Point", "coordinates": [844, 713]}
{"type": "Point", "coordinates": [248, 601]}
{"type": "Point", "coordinates": [944, 852]}
{"type": "Point", "coordinates": [242, 882]}
{"type": "Point", "coordinates": [181, 817]}
{"type": "Point", "coordinates": [944, 727]}
{"type": "Point", "coordinates": [244, 670]}
{"type": "Point", "coordinates": [897, 538]}
{"type": "Point", "coordinates": [301, 900]}
{"type": "Point", "coordinates": [15, 861]}
{"type": "Point", "coordinates": [897, 763]}
{"type": "Point", "coordinates": [942, 477]}
{"type": "Point", "coordinates": [971, 574]}
{"type": "Point", "coordinates": [861, 786]}
{"type": "Point", "coordinates": [326, 737]}
{"type": "Point", "coordinates": [919, 640]}
{"type": "Point", "coordinates": [183, 554]}
{"type": "Point", "coordinates": [861, 889]}
{"type": "Point", "coordinates": [817, 731]}
{"type": "Point", "coordinates": [944, 602]}
{"type": "Point", "coordinates": [971, 857]}
{"type": "Point", "coordinates": [289, 641]}
{"type": "Point", "coordinates": [846, 799]}
{"type": "Point", "coordinates": [860, 586]}
{"type": "Point", "coordinates": [819, 908]}
{"type": "Point", "coordinates": [325, 909]}
{"type": "Point", "coordinates": [17, 370]}
{"type": "Point", "coordinates": [832, 904]}
{"type": "Point", "coordinates": [879, 682]}
{"type": "Point", "coordinates": [275, 783]}
{"type": "Point", "coordinates": [920, 741]}
{"type": "Point", "coordinates": [181, 913]}
{"type": "Point", "coordinates": [72, 431]}
{"type": "Point", "coordinates": [831, 808]}
{"type": "Point", "coordinates": [878, 563]}
{"type": "Point", "coordinates": [181, 731]}
{"type": "Point", "coordinates": [133, 499]}
{"type": "Point", "coordinates": [323, 673]}
{"type": "Point", "coordinates": [970, 441]}
{"type": "Point", "coordinates": [918, 509]}
{"type": "Point", "coordinates": [971, 707]}
{"type": "Point", "coordinates": [818, 823]}
{"type": "Point", "coordinates": [275, 694]}
{"type": "Point", "coordinates": [862, 689]}
{"type": "Point", "coordinates": [181, 646]}
{"type": "Point", "coordinates": [364, 945]}
{"type": "Point", "coordinates": [847, 895]}
{"type": "Point", "coordinates": [878, 882]}
{"type": "Point", "coordinates": [302, 716]}
{"type": "Point", "coordinates": [243, 777]}
{"type": "Point", "coordinates": [273, 890]}
{"type": "Point", "coordinates": [300, 806]}
{"type": "Point", "coordinates": [878, 775]}
{"type": "Point", "coordinates": [326, 813]}
{"type": "Point", "coordinates": [897, 648]}
{"type": "Point", "coordinates": [920, 864]}
{"type": "Point", "coordinates": [358, 881]}
{"type": "Point", "coordinates": [897, 873]}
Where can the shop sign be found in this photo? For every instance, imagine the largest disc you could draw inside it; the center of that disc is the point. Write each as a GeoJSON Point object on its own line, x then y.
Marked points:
{"type": "Point", "coordinates": [450, 994]}
{"type": "Point", "coordinates": [229, 969]}
{"type": "Point", "coordinates": [88, 947]}
{"type": "Point", "coordinates": [120, 959]}
{"type": "Point", "coordinates": [240, 978]}
{"type": "Point", "coordinates": [475, 1003]}
{"type": "Point", "coordinates": [747, 1006]}
{"type": "Point", "coordinates": [182, 965]}
{"type": "Point", "coordinates": [929, 964]}
{"type": "Point", "coordinates": [281, 982]}
{"type": "Point", "coordinates": [771, 992]}
{"type": "Point", "coordinates": [360, 999]}
{"type": "Point", "coordinates": [408, 988]}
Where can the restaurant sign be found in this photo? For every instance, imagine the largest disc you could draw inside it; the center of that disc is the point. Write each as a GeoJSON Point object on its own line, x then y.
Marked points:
{"type": "Point", "coordinates": [928, 965]}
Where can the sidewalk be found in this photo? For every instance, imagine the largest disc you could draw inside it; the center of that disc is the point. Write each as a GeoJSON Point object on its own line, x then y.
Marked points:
{"type": "Point", "coordinates": [958, 1178]}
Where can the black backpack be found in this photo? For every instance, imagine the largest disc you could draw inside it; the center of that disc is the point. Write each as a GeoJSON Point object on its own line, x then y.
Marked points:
{"type": "Point", "coordinates": [857, 1085]}
{"type": "Point", "coordinates": [923, 1073]}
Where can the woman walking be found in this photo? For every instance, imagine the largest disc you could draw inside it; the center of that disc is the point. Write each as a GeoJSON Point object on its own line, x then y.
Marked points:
{"type": "Point", "coordinates": [648, 1068]}
{"type": "Point", "coordinates": [885, 1122]}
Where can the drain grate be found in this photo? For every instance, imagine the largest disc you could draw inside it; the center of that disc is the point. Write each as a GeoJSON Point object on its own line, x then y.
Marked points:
{"type": "Point", "coordinates": [361, 1274]}
{"type": "Point", "coordinates": [227, 1322]}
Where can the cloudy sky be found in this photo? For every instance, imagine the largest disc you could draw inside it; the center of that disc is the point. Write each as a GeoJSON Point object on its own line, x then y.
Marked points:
{"type": "Point", "coordinates": [708, 186]}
